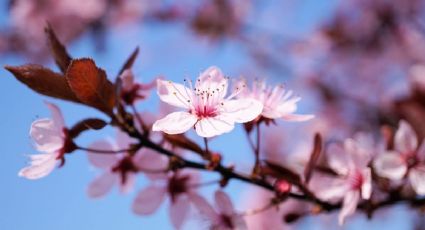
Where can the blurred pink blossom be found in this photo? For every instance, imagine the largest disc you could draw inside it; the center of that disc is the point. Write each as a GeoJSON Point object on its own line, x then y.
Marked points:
{"type": "Point", "coordinates": [178, 186]}
{"type": "Point", "coordinates": [277, 102]}
{"type": "Point", "coordinates": [133, 91]}
{"type": "Point", "coordinates": [121, 168]}
{"type": "Point", "coordinates": [407, 159]}
{"type": "Point", "coordinates": [224, 216]}
{"type": "Point", "coordinates": [354, 181]}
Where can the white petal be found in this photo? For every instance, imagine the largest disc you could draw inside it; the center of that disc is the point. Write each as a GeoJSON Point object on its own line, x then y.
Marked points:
{"type": "Point", "coordinates": [349, 205]}
{"type": "Point", "coordinates": [103, 161]}
{"type": "Point", "coordinates": [56, 116]}
{"type": "Point", "coordinates": [179, 211]}
{"type": "Point", "coordinates": [338, 159]}
{"type": "Point", "coordinates": [175, 123]}
{"type": "Point", "coordinates": [417, 179]}
{"type": "Point", "coordinates": [46, 135]}
{"type": "Point", "coordinates": [213, 126]}
{"type": "Point", "coordinates": [390, 165]}
{"type": "Point", "coordinates": [421, 151]}
{"type": "Point", "coordinates": [242, 110]}
{"type": "Point", "coordinates": [405, 138]}
{"type": "Point", "coordinates": [101, 185]}
{"type": "Point", "coordinates": [367, 184]}
{"type": "Point", "coordinates": [212, 78]}
{"type": "Point", "coordinates": [41, 166]}
{"type": "Point", "coordinates": [223, 202]}
{"type": "Point", "coordinates": [148, 200]}
{"type": "Point", "coordinates": [174, 94]}
{"type": "Point", "coordinates": [288, 106]}
{"type": "Point", "coordinates": [204, 207]}
{"type": "Point", "coordinates": [297, 117]}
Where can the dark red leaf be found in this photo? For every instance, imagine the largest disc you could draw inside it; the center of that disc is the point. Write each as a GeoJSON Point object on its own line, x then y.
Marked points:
{"type": "Point", "coordinates": [43, 81]}
{"type": "Point", "coordinates": [317, 149]}
{"type": "Point", "coordinates": [61, 56]}
{"type": "Point", "coordinates": [86, 124]}
{"type": "Point", "coordinates": [130, 61]}
{"type": "Point", "coordinates": [90, 85]}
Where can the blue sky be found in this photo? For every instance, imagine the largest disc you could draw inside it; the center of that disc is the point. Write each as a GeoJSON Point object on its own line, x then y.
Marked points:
{"type": "Point", "coordinates": [59, 200]}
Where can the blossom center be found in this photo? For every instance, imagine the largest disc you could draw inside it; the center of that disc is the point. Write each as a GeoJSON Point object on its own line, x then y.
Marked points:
{"type": "Point", "coordinates": [356, 180]}
{"type": "Point", "coordinates": [177, 185]}
{"type": "Point", "coordinates": [124, 167]}
{"type": "Point", "coordinates": [227, 221]}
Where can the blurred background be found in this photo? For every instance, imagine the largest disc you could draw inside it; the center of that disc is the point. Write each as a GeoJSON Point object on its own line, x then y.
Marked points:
{"type": "Point", "coordinates": [357, 64]}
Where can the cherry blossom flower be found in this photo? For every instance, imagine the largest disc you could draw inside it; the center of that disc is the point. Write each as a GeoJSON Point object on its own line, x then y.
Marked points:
{"type": "Point", "coordinates": [51, 138]}
{"type": "Point", "coordinates": [224, 217]}
{"type": "Point", "coordinates": [133, 91]}
{"type": "Point", "coordinates": [178, 186]}
{"type": "Point", "coordinates": [354, 181]}
{"type": "Point", "coordinates": [277, 102]}
{"type": "Point", "coordinates": [207, 107]}
{"type": "Point", "coordinates": [405, 160]}
{"type": "Point", "coordinates": [121, 168]}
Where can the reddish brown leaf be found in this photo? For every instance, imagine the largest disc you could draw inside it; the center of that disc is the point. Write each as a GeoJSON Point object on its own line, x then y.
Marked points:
{"type": "Point", "coordinates": [61, 56]}
{"type": "Point", "coordinates": [90, 85]}
{"type": "Point", "coordinates": [86, 124]}
{"type": "Point", "coordinates": [180, 140]}
{"type": "Point", "coordinates": [317, 149]}
{"type": "Point", "coordinates": [281, 172]}
{"type": "Point", "coordinates": [130, 61]}
{"type": "Point", "coordinates": [43, 81]}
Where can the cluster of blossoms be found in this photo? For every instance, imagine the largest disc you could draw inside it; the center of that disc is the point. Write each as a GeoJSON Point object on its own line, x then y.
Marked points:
{"type": "Point", "coordinates": [208, 109]}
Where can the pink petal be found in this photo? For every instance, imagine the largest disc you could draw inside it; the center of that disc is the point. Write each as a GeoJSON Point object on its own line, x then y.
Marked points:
{"type": "Point", "coordinates": [405, 138]}
{"type": "Point", "coordinates": [417, 179]}
{"type": "Point", "coordinates": [179, 211]}
{"type": "Point", "coordinates": [129, 183]}
{"type": "Point", "coordinates": [288, 106]}
{"type": "Point", "coordinates": [242, 110]}
{"type": "Point", "coordinates": [239, 222]}
{"type": "Point", "coordinates": [46, 135]}
{"type": "Point", "coordinates": [421, 151]}
{"type": "Point", "coordinates": [367, 184]}
{"type": "Point", "coordinates": [349, 205]}
{"type": "Point", "coordinates": [150, 161]}
{"type": "Point", "coordinates": [297, 117]}
{"type": "Point", "coordinates": [213, 78]}
{"type": "Point", "coordinates": [175, 123]}
{"type": "Point", "coordinates": [40, 166]}
{"type": "Point", "coordinates": [204, 207]}
{"type": "Point", "coordinates": [148, 200]}
{"type": "Point", "coordinates": [104, 161]}
{"type": "Point", "coordinates": [338, 159]}
{"type": "Point", "coordinates": [127, 79]}
{"type": "Point", "coordinates": [360, 157]}
{"type": "Point", "coordinates": [223, 202]}
{"type": "Point", "coordinates": [390, 165]}
{"type": "Point", "coordinates": [123, 141]}
{"type": "Point", "coordinates": [174, 94]}
{"type": "Point", "coordinates": [213, 126]}
{"type": "Point", "coordinates": [56, 115]}
{"type": "Point", "coordinates": [101, 185]}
